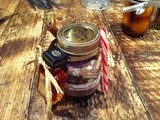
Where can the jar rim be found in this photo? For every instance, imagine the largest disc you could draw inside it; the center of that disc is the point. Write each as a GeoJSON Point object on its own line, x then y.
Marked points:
{"type": "Point", "coordinates": [78, 38]}
{"type": "Point", "coordinates": [78, 28]}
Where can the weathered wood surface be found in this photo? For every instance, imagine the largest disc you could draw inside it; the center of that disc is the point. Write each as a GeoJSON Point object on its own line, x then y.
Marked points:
{"type": "Point", "coordinates": [18, 38]}
{"type": "Point", "coordinates": [7, 8]}
{"type": "Point", "coordinates": [122, 100]}
{"type": "Point", "coordinates": [143, 58]}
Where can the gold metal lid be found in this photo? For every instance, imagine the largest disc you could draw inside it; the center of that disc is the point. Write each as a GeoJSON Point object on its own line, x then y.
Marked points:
{"type": "Point", "coordinates": [78, 38]}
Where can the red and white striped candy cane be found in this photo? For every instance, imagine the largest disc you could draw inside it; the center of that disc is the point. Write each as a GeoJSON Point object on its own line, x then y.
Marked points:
{"type": "Point", "coordinates": [104, 44]}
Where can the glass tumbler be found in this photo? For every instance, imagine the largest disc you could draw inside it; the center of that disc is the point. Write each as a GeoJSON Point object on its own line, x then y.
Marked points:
{"type": "Point", "coordinates": [95, 4]}
{"type": "Point", "coordinates": [134, 24]}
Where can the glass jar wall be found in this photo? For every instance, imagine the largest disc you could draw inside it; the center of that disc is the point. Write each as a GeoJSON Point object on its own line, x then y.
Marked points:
{"type": "Point", "coordinates": [135, 24]}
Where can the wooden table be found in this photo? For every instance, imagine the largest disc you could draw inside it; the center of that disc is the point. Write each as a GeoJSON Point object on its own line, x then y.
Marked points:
{"type": "Point", "coordinates": [134, 82]}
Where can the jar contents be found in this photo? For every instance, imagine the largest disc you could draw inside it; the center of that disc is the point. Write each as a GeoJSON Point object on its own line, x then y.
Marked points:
{"type": "Point", "coordinates": [83, 76]}
{"type": "Point", "coordinates": [82, 72]}
{"type": "Point", "coordinates": [136, 24]}
{"type": "Point", "coordinates": [156, 21]}
{"type": "Point", "coordinates": [61, 79]}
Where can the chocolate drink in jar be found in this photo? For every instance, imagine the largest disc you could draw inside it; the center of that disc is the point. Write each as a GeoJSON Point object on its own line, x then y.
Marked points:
{"type": "Point", "coordinates": [133, 24]}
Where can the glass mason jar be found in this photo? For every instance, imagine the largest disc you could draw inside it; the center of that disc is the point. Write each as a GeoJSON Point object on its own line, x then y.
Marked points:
{"type": "Point", "coordinates": [81, 42]}
{"type": "Point", "coordinates": [134, 24]}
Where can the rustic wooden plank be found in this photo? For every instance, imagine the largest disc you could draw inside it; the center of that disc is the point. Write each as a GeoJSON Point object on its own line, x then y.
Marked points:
{"type": "Point", "coordinates": [18, 42]}
{"type": "Point", "coordinates": [7, 7]}
{"type": "Point", "coordinates": [121, 101]}
{"type": "Point", "coordinates": [142, 56]}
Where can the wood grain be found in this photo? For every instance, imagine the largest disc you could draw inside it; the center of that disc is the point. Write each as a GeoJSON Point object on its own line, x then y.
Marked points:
{"type": "Point", "coordinates": [120, 102]}
{"type": "Point", "coordinates": [17, 47]}
{"type": "Point", "coordinates": [143, 58]}
{"type": "Point", "coordinates": [7, 7]}
{"type": "Point", "coordinates": [133, 83]}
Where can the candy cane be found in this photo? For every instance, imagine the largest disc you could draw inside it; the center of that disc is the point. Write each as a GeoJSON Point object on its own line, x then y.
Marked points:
{"type": "Point", "coordinates": [104, 44]}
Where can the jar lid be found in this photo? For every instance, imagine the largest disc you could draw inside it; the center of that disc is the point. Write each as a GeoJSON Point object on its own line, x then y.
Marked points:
{"type": "Point", "coordinates": [78, 38]}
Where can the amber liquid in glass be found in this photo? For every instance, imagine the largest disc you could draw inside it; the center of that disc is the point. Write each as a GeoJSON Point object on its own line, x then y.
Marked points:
{"type": "Point", "coordinates": [61, 78]}
{"type": "Point", "coordinates": [136, 25]}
